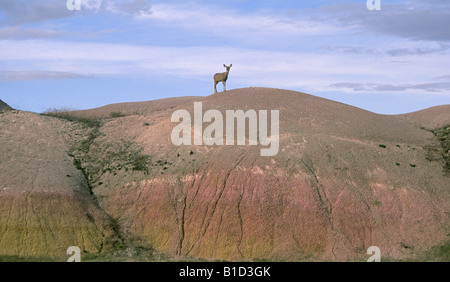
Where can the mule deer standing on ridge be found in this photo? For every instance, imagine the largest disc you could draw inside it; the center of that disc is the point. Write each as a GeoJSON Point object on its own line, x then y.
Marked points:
{"type": "Point", "coordinates": [223, 76]}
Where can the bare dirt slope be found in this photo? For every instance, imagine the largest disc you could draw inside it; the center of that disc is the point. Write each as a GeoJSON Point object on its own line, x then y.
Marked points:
{"type": "Point", "coordinates": [430, 118]}
{"type": "Point", "coordinates": [135, 108]}
{"type": "Point", "coordinates": [45, 202]}
{"type": "Point", "coordinates": [344, 179]}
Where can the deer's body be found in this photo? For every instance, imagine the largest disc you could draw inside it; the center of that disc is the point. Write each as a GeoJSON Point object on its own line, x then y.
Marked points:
{"type": "Point", "coordinates": [223, 76]}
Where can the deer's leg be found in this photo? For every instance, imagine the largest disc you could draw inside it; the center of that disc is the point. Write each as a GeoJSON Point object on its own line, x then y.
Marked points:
{"type": "Point", "coordinates": [224, 89]}
{"type": "Point", "coordinates": [215, 88]}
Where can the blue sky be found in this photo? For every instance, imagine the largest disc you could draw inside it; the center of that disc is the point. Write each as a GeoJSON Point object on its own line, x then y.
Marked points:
{"type": "Point", "coordinates": [391, 61]}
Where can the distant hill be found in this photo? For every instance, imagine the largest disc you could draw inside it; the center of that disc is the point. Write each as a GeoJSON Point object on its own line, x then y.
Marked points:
{"type": "Point", "coordinates": [430, 118]}
{"type": "Point", "coordinates": [4, 106]}
{"type": "Point", "coordinates": [344, 179]}
{"type": "Point", "coordinates": [134, 108]}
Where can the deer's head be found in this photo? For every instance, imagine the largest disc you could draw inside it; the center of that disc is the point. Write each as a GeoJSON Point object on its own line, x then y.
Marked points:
{"type": "Point", "coordinates": [227, 67]}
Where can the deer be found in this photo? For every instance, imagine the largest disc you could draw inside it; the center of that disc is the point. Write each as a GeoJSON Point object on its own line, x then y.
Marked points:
{"type": "Point", "coordinates": [222, 76]}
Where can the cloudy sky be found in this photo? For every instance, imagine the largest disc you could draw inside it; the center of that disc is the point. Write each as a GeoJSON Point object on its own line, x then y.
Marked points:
{"type": "Point", "coordinates": [390, 61]}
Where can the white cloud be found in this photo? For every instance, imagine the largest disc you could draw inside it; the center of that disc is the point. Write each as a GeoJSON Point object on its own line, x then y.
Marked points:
{"type": "Point", "coordinates": [6, 76]}
{"type": "Point", "coordinates": [92, 4]}
{"type": "Point", "coordinates": [411, 19]}
{"type": "Point", "coordinates": [129, 7]}
{"type": "Point", "coordinates": [379, 87]}
{"type": "Point", "coordinates": [309, 71]}
{"type": "Point", "coordinates": [17, 32]}
{"type": "Point", "coordinates": [215, 20]}
{"type": "Point", "coordinates": [23, 11]}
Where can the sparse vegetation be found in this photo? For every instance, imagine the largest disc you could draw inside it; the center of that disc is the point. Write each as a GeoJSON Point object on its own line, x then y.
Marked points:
{"type": "Point", "coordinates": [405, 246]}
{"type": "Point", "coordinates": [77, 163]}
{"type": "Point", "coordinates": [382, 146]}
{"type": "Point", "coordinates": [87, 142]}
{"type": "Point", "coordinates": [91, 124]}
{"type": "Point", "coordinates": [439, 252]}
{"type": "Point", "coordinates": [26, 259]}
{"type": "Point", "coordinates": [140, 162]}
{"type": "Point", "coordinates": [67, 115]}
{"type": "Point", "coordinates": [443, 135]}
{"type": "Point", "coordinates": [4, 107]}
{"type": "Point", "coordinates": [115, 158]}
{"type": "Point", "coordinates": [112, 158]}
{"type": "Point", "coordinates": [116, 114]}
{"type": "Point", "coordinates": [432, 152]}
{"type": "Point", "coordinates": [377, 203]}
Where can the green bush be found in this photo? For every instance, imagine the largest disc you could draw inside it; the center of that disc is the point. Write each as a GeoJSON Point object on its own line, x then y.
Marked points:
{"type": "Point", "coordinates": [67, 115]}
{"type": "Point", "coordinates": [116, 114]}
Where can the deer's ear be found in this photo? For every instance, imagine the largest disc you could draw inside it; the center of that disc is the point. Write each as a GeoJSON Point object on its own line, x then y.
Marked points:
{"type": "Point", "coordinates": [224, 65]}
{"type": "Point", "coordinates": [231, 65]}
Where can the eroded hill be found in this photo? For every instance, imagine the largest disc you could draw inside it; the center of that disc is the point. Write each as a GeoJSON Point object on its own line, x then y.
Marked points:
{"type": "Point", "coordinates": [344, 179]}
{"type": "Point", "coordinates": [45, 202]}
